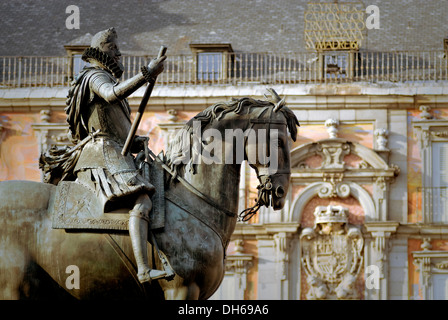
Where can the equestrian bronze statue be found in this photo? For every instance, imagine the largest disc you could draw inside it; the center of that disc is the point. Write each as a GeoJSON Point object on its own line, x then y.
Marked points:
{"type": "Point", "coordinates": [97, 101]}
{"type": "Point", "coordinates": [132, 224]}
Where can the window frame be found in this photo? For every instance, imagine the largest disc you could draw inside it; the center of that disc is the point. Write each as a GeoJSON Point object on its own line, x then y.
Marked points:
{"type": "Point", "coordinates": [73, 51]}
{"type": "Point", "coordinates": [439, 183]}
{"type": "Point", "coordinates": [346, 49]}
{"type": "Point", "coordinates": [430, 132]}
{"type": "Point", "coordinates": [225, 49]}
{"type": "Point", "coordinates": [430, 263]}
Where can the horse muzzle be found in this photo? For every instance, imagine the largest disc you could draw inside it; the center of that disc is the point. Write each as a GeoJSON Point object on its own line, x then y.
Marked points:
{"type": "Point", "coordinates": [271, 195]}
{"type": "Point", "coordinates": [280, 192]}
{"type": "Point", "coordinates": [268, 195]}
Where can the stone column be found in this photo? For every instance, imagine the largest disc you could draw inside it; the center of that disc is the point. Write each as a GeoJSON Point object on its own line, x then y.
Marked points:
{"type": "Point", "coordinates": [282, 242]}
{"type": "Point", "coordinates": [381, 232]}
{"type": "Point", "coordinates": [239, 264]}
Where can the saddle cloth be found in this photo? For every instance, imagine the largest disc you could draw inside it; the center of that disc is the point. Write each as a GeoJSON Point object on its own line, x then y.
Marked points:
{"type": "Point", "coordinates": [74, 206]}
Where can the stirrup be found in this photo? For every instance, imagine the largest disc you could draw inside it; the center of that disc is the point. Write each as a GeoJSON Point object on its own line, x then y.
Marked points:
{"type": "Point", "coordinates": [166, 265]}
{"type": "Point", "coordinates": [151, 274]}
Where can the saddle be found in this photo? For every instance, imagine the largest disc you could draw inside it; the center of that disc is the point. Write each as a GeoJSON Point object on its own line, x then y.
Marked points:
{"type": "Point", "coordinates": [75, 206]}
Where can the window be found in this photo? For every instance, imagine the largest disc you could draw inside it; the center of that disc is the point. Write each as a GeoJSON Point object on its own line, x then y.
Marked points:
{"type": "Point", "coordinates": [440, 287]}
{"type": "Point", "coordinates": [335, 65]}
{"type": "Point", "coordinates": [209, 65]}
{"type": "Point", "coordinates": [432, 204]}
{"type": "Point", "coordinates": [74, 49]}
{"type": "Point", "coordinates": [338, 57]}
{"type": "Point", "coordinates": [433, 268]}
{"type": "Point", "coordinates": [439, 182]}
{"type": "Point", "coordinates": [78, 64]}
{"type": "Point", "coordinates": [211, 61]}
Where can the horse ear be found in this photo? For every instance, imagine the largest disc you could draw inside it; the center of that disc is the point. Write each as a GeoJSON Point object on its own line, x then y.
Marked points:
{"type": "Point", "coordinates": [279, 102]}
{"type": "Point", "coordinates": [279, 105]}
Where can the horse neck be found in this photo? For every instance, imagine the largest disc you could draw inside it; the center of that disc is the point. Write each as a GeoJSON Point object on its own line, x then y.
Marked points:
{"type": "Point", "coordinates": [218, 182]}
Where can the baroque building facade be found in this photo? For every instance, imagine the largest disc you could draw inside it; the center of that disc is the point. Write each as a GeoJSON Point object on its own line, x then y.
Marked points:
{"type": "Point", "coordinates": [367, 211]}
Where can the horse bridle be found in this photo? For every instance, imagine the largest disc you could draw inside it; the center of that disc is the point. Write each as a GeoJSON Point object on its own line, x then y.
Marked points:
{"type": "Point", "coordinates": [265, 188]}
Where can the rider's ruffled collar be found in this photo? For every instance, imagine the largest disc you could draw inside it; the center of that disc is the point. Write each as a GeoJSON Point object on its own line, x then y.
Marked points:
{"type": "Point", "coordinates": [104, 59]}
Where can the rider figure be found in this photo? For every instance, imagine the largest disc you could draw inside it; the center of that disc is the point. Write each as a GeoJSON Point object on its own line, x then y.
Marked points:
{"type": "Point", "coordinates": [97, 101]}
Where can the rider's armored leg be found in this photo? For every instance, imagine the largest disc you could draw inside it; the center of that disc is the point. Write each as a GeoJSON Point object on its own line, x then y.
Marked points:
{"type": "Point", "coordinates": [138, 230]}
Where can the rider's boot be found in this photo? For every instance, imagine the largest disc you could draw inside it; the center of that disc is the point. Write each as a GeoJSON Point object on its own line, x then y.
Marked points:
{"type": "Point", "coordinates": [138, 230]}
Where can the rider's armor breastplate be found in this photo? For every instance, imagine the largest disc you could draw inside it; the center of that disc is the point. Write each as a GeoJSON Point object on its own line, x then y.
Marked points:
{"type": "Point", "coordinates": [112, 120]}
{"type": "Point", "coordinates": [114, 125]}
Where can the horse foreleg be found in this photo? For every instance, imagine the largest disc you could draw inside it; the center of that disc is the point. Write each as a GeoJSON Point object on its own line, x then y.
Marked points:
{"type": "Point", "coordinates": [183, 292]}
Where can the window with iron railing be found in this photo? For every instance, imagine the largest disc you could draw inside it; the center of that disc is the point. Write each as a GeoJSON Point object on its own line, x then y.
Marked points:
{"type": "Point", "coordinates": [212, 62]}
{"type": "Point", "coordinates": [210, 65]}
{"type": "Point", "coordinates": [337, 59]}
{"type": "Point", "coordinates": [432, 195]}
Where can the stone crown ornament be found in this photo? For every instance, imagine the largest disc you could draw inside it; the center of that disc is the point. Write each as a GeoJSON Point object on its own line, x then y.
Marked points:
{"type": "Point", "coordinates": [330, 214]}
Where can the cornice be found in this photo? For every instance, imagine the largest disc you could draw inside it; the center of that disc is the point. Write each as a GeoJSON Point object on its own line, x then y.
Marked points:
{"type": "Point", "coordinates": [300, 97]}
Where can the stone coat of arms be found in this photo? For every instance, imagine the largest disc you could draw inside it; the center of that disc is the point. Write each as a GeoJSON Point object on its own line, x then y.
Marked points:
{"type": "Point", "coordinates": [331, 254]}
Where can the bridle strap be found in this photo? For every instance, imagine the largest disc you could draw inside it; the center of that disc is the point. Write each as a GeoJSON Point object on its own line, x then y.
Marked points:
{"type": "Point", "coordinates": [265, 188]}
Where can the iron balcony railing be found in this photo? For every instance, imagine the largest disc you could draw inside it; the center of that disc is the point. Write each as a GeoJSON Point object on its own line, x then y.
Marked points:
{"type": "Point", "coordinates": [245, 68]}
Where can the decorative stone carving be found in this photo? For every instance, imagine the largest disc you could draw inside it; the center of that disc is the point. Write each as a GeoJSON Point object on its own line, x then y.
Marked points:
{"type": "Point", "coordinates": [333, 186]}
{"type": "Point", "coordinates": [332, 254]}
{"type": "Point", "coordinates": [49, 133]}
{"type": "Point", "coordinates": [425, 115]}
{"type": "Point", "coordinates": [170, 128]}
{"type": "Point", "coordinates": [381, 139]}
{"type": "Point", "coordinates": [45, 115]}
{"type": "Point", "coordinates": [173, 115]}
{"type": "Point", "coordinates": [426, 245]}
{"type": "Point", "coordinates": [238, 265]}
{"type": "Point", "coordinates": [332, 127]}
{"type": "Point", "coordinates": [381, 232]}
{"type": "Point", "coordinates": [282, 245]}
{"type": "Point", "coordinates": [333, 151]}
{"type": "Point", "coordinates": [429, 263]}
{"type": "Point", "coordinates": [333, 154]}
{"type": "Point", "coordinates": [442, 265]}
{"type": "Point", "coordinates": [239, 262]}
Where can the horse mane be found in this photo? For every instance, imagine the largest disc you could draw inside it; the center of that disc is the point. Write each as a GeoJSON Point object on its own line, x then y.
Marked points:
{"type": "Point", "coordinates": [185, 148]}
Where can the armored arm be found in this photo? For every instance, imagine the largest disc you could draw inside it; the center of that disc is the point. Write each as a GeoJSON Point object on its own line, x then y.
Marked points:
{"type": "Point", "coordinates": [105, 87]}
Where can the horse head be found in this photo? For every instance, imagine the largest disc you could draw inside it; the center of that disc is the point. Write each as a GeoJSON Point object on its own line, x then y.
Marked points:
{"type": "Point", "coordinates": [272, 160]}
{"type": "Point", "coordinates": [260, 129]}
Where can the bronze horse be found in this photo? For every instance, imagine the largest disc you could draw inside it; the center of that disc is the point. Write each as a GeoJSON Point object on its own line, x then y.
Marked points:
{"type": "Point", "coordinates": [39, 262]}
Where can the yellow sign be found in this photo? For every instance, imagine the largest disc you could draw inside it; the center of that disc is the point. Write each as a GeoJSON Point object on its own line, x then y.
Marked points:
{"type": "Point", "coordinates": [336, 45]}
{"type": "Point", "coordinates": [334, 26]}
